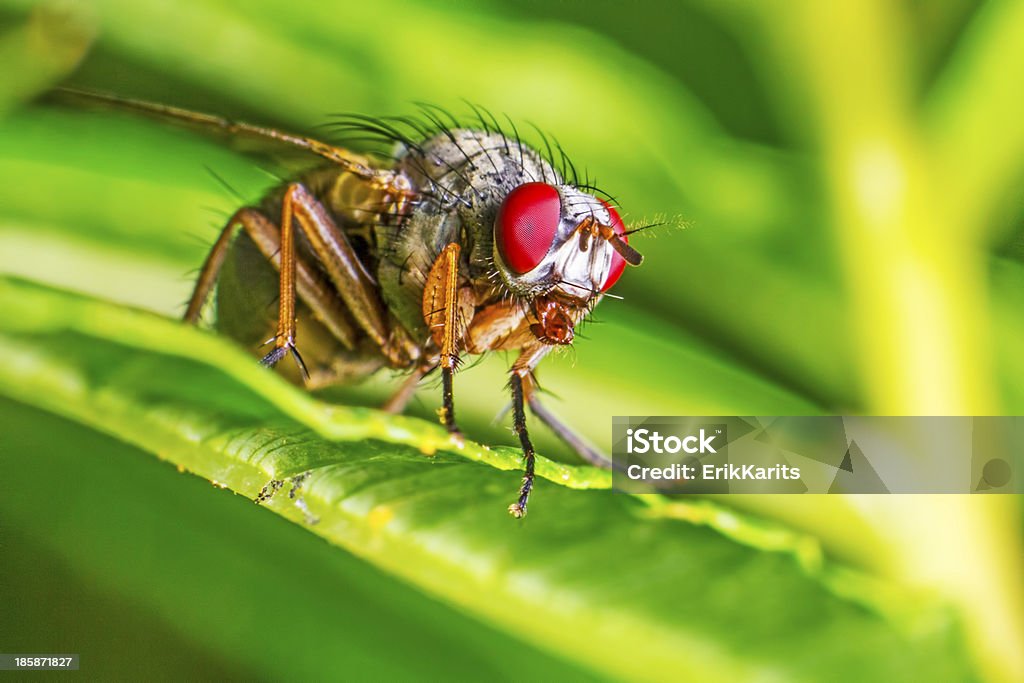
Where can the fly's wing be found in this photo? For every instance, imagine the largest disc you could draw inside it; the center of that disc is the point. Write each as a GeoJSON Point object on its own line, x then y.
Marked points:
{"type": "Point", "coordinates": [270, 141]}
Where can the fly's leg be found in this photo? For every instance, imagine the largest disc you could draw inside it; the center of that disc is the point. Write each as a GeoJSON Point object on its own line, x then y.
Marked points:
{"type": "Point", "coordinates": [518, 508]}
{"type": "Point", "coordinates": [314, 290]}
{"type": "Point", "coordinates": [300, 210]}
{"type": "Point", "coordinates": [328, 242]}
{"type": "Point", "coordinates": [355, 286]}
{"type": "Point", "coordinates": [284, 340]}
{"type": "Point", "coordinates": [566, 434]}
{"type": "Point", "coordinates": [441, 313]}
{"type": "Point", "coordinates": [214, 261]}
{"type": "Point", "coordinates": [522, 386]}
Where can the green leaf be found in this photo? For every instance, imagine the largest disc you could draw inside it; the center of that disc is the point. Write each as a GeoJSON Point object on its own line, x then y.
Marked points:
{"type": "Point", "coordinates": [631, 587]}
{"type": "Point", "coordinates": [126, 569]}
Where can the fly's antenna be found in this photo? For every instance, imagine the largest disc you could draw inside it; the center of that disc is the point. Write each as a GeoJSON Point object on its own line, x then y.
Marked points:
{"type": "Point", "coordinates": [607, 233]}
{"type": "Point", "coordinates": [628, 253]}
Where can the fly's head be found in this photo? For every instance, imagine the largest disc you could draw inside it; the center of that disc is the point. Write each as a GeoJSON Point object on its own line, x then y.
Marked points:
{"type": "Point", "coordinates": [560, 249]}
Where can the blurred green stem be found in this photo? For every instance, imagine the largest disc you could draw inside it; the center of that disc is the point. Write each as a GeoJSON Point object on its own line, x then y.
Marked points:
{"type": "Point", "coordinates": [974, 115]}
{"type": "Point", "coordinates": [915, 271]}
{"type": "Point", "coordinates": [916, 283]}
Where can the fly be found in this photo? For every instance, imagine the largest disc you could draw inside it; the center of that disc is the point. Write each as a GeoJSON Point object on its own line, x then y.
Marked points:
{"type": "Point", "coordinates": [467, 240]}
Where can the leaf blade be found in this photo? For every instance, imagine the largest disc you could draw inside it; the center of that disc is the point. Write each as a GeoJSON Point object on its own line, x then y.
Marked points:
{"type": "Point", "coordinates": [439, 522]}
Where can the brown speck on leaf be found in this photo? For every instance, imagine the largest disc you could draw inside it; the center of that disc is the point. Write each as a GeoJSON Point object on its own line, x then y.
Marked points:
{"type": "Point", "coordinates": [268, 491]}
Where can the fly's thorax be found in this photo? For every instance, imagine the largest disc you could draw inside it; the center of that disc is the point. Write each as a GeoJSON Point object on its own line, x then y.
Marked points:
{"type": "Point", "coordinates": [462, 177]}
{"type": "Point", "coordinates": [407, 252]}
{"type": "Point", "coordinates": [466, 174]}
{"type": "Point", "coordinates": [462, 166]}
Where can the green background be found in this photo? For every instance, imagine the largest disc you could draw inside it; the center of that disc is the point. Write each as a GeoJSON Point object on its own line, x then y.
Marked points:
{"type": "Point", "coordinates": [840, 184]}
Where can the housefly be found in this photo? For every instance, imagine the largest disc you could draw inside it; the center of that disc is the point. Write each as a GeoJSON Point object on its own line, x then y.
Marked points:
{"type": "Point", "coordinates": [466, 240]}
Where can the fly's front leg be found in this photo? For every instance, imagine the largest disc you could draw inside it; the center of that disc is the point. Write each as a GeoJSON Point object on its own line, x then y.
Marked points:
{"type": "Point", "coordinates": [522, 386]}
{"type": "Point", "coordinates": [518, 508]}
{"type": "Point", "coordinates": [442, 315]}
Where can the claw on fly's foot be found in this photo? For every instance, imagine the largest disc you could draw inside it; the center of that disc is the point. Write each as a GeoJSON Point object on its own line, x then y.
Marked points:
{"type": "Point", "coordinates": [517, 510]}
{"type": "Point", "coordinates": [279, 352]}
{"type": "Point", "coordinates": [271, 359]}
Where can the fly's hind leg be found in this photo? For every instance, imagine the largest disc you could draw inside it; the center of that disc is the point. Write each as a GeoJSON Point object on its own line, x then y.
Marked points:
{"type": "Point", "coordinates": [277, 246]}
{"type": "Point", "coordinates": [284, 339]}
{"type": "Point", "coordinates": [352, 285]}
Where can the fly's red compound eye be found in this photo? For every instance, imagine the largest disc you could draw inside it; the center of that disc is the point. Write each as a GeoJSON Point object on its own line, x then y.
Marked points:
{"type": "Point", "coordinates": [618, 263]}
{"type": "Point", "coordinates": [526, 225]}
